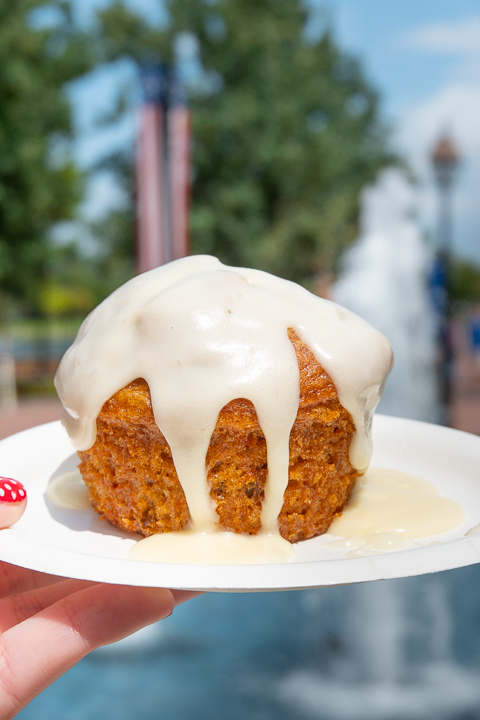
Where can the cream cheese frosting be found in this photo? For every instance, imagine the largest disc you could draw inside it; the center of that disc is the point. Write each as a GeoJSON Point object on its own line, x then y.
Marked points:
{"type": "Point", "coordinates": [202, 334]}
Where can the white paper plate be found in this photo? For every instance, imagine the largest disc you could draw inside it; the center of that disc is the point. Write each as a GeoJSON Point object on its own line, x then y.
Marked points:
{"type": "Point", "coordinates": [77, 544]}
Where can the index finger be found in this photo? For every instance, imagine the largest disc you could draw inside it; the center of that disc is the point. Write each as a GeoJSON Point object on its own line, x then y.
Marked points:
{"type": "Point", "coordinates": [15, 580]}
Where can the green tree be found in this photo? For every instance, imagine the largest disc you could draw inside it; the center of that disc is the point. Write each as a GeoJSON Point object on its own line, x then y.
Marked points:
{"type": "Point", "coordinates": [39, 183]}
{"type": "Point", "coordinates": [286, 133]}
{"type": "Point", "coordinates": [75, 282]}
{"type": "Point", "coordinates": [464, 281]}
{"type": "Point", "coordinates": [286, 130]}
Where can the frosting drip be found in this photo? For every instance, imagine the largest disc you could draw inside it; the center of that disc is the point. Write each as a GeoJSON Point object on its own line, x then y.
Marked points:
{"type": "Point", "coordinates": [203, 334]}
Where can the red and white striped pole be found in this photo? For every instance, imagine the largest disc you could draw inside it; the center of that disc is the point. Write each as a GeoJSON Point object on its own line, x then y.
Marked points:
{"type": "Point", "coordinates": [179, 133]}
{"type": "Point", "coordinates": [153, 246]}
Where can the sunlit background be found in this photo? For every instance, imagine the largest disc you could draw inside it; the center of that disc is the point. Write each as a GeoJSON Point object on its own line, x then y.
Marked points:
{"type": "Point", "coordinates": [315, 127]}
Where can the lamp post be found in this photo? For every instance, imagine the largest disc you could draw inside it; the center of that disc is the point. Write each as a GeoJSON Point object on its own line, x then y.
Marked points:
{"type": "Point", "coordinates": [445, 161]}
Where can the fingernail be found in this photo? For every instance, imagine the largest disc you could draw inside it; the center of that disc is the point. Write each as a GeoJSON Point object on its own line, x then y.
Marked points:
{"type": "Point", "coordinates": [13, 501]}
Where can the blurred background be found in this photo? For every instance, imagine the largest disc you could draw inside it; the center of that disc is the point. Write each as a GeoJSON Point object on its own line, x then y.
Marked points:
{"type": "Point", "coordinates": [336, 144]}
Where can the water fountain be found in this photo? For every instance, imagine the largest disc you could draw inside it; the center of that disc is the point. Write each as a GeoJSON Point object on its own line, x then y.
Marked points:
{"type": "Point", "coordinates": [384, 280]}
{"type": "Point", "coordinates": [381, 677]}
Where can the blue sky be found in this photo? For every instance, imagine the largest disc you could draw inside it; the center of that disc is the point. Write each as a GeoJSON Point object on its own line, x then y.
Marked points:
{"type": "Point", "coordinates": [382, 33]}
{"type": "Point", "coordinates": [422, 55]}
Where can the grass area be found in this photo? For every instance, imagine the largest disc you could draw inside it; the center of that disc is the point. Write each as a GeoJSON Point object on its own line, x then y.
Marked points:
{"type": "Point", "coordinates": [36, 388]}
{"type": "Point", "coordinates": [33, 328]}
{"type": "Point", "coordinates": [38, 338]}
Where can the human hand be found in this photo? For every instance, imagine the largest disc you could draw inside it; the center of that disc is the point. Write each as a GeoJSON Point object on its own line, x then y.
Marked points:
{"type": "Point", "coordinates": [47, 624]}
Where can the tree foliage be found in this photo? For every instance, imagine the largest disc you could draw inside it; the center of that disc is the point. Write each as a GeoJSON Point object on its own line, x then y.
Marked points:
{"type": "Point", "coordinates": [464, 281]}
{"type": "Point", "coordinates": [76, 282]}
{"type": "Point", "coordinates": [286, 130]}
{"type": "Point", "coordinates": [286, 133]}
{"type": "Point", "coordinates": [39, 183]}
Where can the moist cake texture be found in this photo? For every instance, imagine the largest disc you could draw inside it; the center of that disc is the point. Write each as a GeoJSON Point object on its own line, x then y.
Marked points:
{"type": "Point", "coordinates": [133, 483]}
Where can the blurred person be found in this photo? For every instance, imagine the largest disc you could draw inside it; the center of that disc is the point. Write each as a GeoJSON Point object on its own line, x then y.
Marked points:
{"type": "Point", "coordinates": [474, 333]}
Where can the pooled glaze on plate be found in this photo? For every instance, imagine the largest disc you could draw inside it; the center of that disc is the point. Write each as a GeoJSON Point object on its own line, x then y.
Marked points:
{"type": "Point", "coordinates": [69, 491]}
{"type": "Point", "coordinates": [388, 509]}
